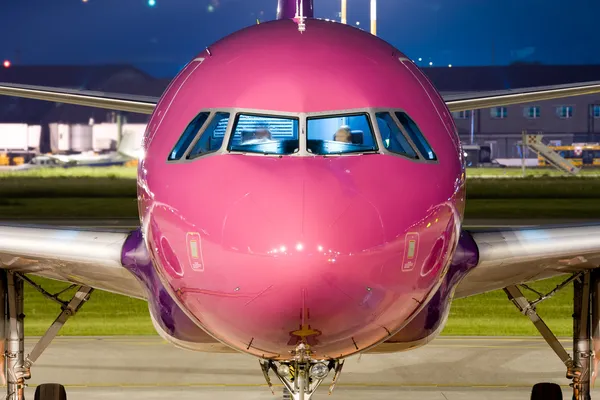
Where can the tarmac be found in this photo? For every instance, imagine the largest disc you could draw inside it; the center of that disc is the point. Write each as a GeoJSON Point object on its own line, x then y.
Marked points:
{"type": "Point", "coordinates": [449, 368]}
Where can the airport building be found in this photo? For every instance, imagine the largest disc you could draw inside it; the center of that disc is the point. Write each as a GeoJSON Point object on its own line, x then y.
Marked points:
{"type": "Point", "coordinates": [42, 126]}
{"type": "Point", "coordinates": [562, 122]}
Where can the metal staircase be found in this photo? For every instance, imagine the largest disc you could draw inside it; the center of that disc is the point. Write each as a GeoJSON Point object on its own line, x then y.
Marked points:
{"type": "Point", "coordinates": [535, 143]}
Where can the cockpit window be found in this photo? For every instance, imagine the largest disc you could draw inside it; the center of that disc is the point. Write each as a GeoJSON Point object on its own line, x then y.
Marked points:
{"type": "Point", "coordinates": [265, 135]}
{"type": "Point", "coordinates": [340, 134]}
{"type": "Point", "coordinates": [417, 137]}
{"type": "Point", "coordinates": [188, 136]}
{"type": "Point", "coordinates": [392, 137]}
{"type": "Point", "coordinates": [212, 137]}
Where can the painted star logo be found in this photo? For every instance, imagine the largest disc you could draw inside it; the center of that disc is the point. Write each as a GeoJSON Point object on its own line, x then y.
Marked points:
{"type": "Point", "coordinates": [304, 335]}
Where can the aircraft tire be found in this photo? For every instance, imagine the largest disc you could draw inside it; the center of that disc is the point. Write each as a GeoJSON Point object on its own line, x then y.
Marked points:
{"type": "Point", "coordinates": [545, 391]}
{"type": "Point", "coordinates": [50, 391]}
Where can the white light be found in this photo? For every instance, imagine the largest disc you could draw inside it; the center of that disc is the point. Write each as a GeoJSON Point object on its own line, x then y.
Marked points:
{"type": "Point", "coordinates": [357, 23]}
{"type": "Point", "coordinates": [299, 247]}
{"type": "Point", "coordinates": [420, 59]}
{"type": "Point", "coordinates": [319, 371]}
{"type": "Point", "coordinates": [283, 370]}
{"type": "Point", "coordinates": [449, 65]}
{"type": "Point", "coordinates": [282, 249]}
{"type": "Point", "coordinates": [430, 63]}
{"type": "Point", "coordinates": [320, 248]}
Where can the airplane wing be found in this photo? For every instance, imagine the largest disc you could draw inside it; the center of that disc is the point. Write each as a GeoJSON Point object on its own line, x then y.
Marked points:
{"type": "Point", "coordinates": [93, 258]}
{"type": "Point", "coordinates": [477, 100]}
{"type": "Point", "coordinates": [83, 257]}
{"type": "Point", "coordinates": [146, 104]}
{"type": "Point", "coordinates": [510, 257]}
{"type": "Point", "coordinates": [111, 101]}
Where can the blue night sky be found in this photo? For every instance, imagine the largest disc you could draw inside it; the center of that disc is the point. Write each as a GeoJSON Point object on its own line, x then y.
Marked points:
{"type": "Point", "coordinates": [163, 38]}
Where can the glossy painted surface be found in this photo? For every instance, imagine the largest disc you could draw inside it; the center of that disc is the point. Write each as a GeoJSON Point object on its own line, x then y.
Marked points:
{"type": "Point", "coordinates": [163, 310]}
{"type": "Point", "coordinates": [430, 321]}
{"type": "Point", "coordinates": [265, 252]}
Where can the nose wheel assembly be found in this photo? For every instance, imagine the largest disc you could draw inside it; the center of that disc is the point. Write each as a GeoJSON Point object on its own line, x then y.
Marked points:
{"type": "Point", "coordinates": [303, 376]}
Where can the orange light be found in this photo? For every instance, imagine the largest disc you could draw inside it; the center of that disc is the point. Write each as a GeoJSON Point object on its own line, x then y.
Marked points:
{"type": "Point", "coordinates": [6, 64]}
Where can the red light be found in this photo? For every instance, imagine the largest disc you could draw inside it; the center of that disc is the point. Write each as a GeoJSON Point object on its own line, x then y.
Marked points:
{"type": "Point", "coordinates": [6, 64]}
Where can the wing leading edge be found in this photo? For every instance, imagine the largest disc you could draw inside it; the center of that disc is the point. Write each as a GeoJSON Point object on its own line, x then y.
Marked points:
{"type": "Point", "coordinates": [89, 258]}
{"type": "Point", "coordinates": [516, 256]}
{"type": "Point", "coordinates": [146, 105]}
{"type": "Point", "coordinates": [111, 101]}
{"type": "Point", "coordinates": [478, 100]}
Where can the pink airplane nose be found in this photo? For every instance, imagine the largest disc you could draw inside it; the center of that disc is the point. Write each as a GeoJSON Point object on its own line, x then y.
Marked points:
{"type": "Point", "coordinates": [314, 254]}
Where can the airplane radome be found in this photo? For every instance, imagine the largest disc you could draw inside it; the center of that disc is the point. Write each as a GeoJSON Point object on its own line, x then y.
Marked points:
{"type": "Point", "coordinates": [301, 194]}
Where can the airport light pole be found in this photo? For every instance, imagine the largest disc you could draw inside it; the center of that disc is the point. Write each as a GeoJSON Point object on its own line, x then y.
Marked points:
{"type": "Point", "coordinates": [344, 11]}
{"type": "Point", "coordinates": [374, 17]}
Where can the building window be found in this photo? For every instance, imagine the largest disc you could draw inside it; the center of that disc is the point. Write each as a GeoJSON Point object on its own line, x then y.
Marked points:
{"type": "Point", "coordinates": [532, 112]}
{"type": "Point", "coordinates": [499, 112]}
{"type": "Point", "coordinates": [462, 114]}
{"type": "Point", "coordinates": [596, 111]}
{"type": "Point", "coordinates": [564, 111]}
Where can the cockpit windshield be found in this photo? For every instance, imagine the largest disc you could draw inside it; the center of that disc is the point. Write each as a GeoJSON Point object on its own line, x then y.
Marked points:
{"type": "Point", "coordinates": [264, 135]}
{"type": "Point", "coordinates": [340, 134]}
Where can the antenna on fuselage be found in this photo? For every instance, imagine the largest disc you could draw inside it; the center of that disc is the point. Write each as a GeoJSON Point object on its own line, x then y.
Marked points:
{"type": "Point", "coordinates": [298, 10]}
{"type": "Point", "coordinates": [299, 17]}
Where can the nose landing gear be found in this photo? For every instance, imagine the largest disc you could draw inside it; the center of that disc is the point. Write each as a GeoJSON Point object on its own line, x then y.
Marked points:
{"type": "Point", "coordinates": [302, 376]}
{"type": "Point", "coordinates": [586, 331]}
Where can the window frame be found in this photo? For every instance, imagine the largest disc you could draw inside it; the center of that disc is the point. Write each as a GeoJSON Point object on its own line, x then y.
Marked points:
{"type": "Point", "coordinates": [194, 137]}
{"type": "Point", "coordinates": [415, 146]}
{"type": "Point", "coordinates": [302, 117]}
{"type": "Point", "coordinates": [503, 112]}
{"type": "Point", "coordinates": [461, 115]}
{"type": "Point", "coordinates": [353, 113]}
{"type": "Point", "coordinates": [559, 108]}
{"type": "Point", "coordinates": [392, 114]}
{"type": "Point", "coordinates": [208, 122]}
{"type": "Point", "coordinates": [392, 111]}
{"type": "Point", "coordinates": [212, 112]}
{"type": "Point", "coordinates": [230, 133]}
{"type": "Point", "coordinates": [527, 108]}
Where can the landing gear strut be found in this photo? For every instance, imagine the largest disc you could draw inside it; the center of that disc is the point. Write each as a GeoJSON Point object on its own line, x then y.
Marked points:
{"type": "Point", "coordinates": [302, 376]}
{"type": "Point", "coordinates": [17, 366]}
{"type": "Point", "coordinates": [586, 331]}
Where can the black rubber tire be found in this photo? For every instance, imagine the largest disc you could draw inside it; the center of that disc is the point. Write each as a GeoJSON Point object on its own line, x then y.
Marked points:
{"type": "Point", "coordinates": [545, 391]}
{"type": "Point", "coordinates": [50, 391]}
